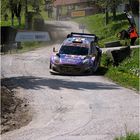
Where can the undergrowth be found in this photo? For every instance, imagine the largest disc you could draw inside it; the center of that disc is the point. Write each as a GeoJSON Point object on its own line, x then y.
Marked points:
{"type": "Point", "coordinates": [127, 73]}
{"type": "Point", "coordinates": [106, 33]}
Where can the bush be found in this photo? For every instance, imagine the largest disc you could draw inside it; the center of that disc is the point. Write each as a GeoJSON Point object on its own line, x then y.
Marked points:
{"type": "Point", "coordinates": [129, 136]}
{"type": "Point", "coordinates": [106, 60]}
{"type": "Point", "coordinates": [106, 33]}
{"type": "Point", "coordinates": [127, 72]}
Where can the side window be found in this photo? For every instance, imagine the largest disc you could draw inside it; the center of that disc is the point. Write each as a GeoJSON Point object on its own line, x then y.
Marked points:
{"type": "Point", "coordinates": [93, 49]}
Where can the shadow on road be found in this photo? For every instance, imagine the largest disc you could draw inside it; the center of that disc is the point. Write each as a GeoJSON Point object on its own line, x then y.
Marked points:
{"type": "Point", "coordinates": [101, 71]}
{"type": "Point", "coordinates": [37, 83]}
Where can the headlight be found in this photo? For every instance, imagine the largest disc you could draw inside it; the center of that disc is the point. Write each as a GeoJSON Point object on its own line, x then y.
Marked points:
{"type": "Point", "coordinates": [93, 58]}
{"type": "Point", "coordinates": [86, 61]}
{"type": "Point", "coordinates": [56, 59]}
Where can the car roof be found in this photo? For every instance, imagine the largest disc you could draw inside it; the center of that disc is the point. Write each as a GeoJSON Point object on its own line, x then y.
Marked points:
{"type": "Point", "coordinates": [77, 41]}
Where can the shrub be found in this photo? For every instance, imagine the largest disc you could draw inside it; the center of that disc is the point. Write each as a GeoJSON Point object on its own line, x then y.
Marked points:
{"type": "Point", "coordinates": [129, 136]}
{"type": "Point", "coordinates": [106, 60]}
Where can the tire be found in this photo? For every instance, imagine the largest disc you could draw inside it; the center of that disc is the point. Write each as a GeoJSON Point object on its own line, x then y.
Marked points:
{"type": "Point", "coordinates": [50, 66]}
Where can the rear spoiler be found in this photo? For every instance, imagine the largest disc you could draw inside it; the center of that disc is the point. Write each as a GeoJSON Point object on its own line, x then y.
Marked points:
{"type": "Point", "coordinates": [83, 35]}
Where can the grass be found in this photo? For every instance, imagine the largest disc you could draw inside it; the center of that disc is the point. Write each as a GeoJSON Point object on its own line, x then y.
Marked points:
{"type": "Point", "coordinates": [44, 15]}
{"type": "Point", "coordinates": [127, 73]}
{"type": "Point", "coordinates": [96, 24]}
{"type": "Point", "coordinates": [16, 24]}
{"type": "Point", "coordinates": [27, 46]}
{"type": "Point", "coordinates": [129, 136]}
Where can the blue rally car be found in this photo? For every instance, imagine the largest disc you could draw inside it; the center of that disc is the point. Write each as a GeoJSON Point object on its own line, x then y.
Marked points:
{"type": "Point", "coordinates": [78, 54]}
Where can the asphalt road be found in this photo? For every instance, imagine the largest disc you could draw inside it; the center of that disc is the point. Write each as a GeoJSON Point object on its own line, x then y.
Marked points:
{"type": "Point", "coordinates": [68, 107]}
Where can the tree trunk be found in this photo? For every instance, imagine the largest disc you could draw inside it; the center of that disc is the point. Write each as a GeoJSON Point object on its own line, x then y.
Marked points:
{"type": "Point", "coordinates": [12, 18]}
{"type": "Point", "coordinates": [114, 13]}
{"type": "Point", "coordinates": [106, 16]}
{"type": "Point", "coordinates": [19, 21]}
{"type": "Point", "coordinates": [26, 15]}
{"type": "Point", "coordinates": [114, 9]}
{"type": "Point", "coordinates": [134, 6]}
{"type": "Point", "coordinates": [18, 13]}
{"type": "Point", "coordinates": [57, 12]}
{"type": "Point", "coordinates": [12, 21]}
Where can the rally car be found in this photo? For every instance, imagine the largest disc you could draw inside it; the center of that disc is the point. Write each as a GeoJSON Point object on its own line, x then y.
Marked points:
{"type": "Point", "coordinates": [78, 54]}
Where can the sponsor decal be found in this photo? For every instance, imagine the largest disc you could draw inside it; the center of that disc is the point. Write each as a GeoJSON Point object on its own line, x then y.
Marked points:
{"type": "Point", "coordinates": [78, 13]}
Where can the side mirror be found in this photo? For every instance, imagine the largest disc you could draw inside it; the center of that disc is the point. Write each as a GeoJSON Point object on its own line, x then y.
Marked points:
{"type": "Point", "coordinates": [96, 39]}
{"type": "Point", "coordinates": [54, 50]}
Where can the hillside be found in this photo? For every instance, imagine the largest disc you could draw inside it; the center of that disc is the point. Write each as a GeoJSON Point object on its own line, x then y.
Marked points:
{"type": "Point", "coordinates": [128, 72]}
{"type": "Point", "coordinates": [106, 33]}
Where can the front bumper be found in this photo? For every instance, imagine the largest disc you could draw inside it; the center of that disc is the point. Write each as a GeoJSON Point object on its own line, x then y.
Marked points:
{"type": "Point", "coordinates": [70, 69]}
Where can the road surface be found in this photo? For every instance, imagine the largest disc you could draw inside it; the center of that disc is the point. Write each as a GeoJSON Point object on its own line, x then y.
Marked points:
{"type": "Point", "coordinates": [68, 107]}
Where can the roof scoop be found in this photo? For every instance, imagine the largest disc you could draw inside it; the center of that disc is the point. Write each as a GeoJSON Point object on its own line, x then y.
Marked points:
{"type": "Point", "coordinates": [77, 41]}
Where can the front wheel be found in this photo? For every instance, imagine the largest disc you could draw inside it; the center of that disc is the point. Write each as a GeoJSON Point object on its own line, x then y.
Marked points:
{"type": "Point", "coordinates": [50, 66]}
{"type": "Point", "coordinates": [96, 65]}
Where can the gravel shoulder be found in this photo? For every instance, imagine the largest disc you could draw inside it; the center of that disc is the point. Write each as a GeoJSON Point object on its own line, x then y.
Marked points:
{"type": "Point", "coordinates": [68, 107]}
{"type": "Point", "coordinates": [15, 111]}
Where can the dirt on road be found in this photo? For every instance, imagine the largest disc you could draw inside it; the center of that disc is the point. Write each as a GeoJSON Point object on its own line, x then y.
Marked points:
{"type": "Point", "coordinates": [68, 107]}
{"type": "Point", "coordinates": [15, 111]}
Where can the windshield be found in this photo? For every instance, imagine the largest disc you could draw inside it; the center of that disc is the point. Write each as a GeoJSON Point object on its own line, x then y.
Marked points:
{"type": "Point", "coordinates": [74, 50]}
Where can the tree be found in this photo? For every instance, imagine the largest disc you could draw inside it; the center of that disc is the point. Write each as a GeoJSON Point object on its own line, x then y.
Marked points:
{"type": "Point", "coordinates": [109, 5]}
{"type": "Point", "coordinates": [15, 7]}
{"type": "Point", "coordinates": [134, 6]}
{"type": "Point", "coordinates": [12, 6]}
{"type": "Point", "coordinates": [49, 7]}
{"type": "Point", "coordinates": [105, 5]}
{"type": "Point", "coordinates": [114, 4]}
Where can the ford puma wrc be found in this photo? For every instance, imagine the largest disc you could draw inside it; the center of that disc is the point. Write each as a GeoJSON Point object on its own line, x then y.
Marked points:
{"type": "Point", "coordinates": [78, 54]}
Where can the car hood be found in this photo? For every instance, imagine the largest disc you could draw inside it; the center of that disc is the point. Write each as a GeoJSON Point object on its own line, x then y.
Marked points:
{"type": "Point", "coordinates": [71, 59]}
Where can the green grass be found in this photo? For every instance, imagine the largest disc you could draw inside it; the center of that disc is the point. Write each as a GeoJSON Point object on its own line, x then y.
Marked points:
{"type": "Point", "coordinates": [16, 24]}
{"type": "Point", "coordinates": [96, 24]}
{"type": "Point", "coordinates": [44, 14]}
{"type": "Point", "coordinates": [27, 46]}
{"type": "Point", "coordinates": [129, 136]}
{"type": "Point", "coordinates": [127, 73]}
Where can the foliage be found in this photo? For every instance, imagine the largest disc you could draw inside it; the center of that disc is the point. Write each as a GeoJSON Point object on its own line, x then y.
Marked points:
{"type": "Point", "coordinates": [96, 24]}
{"type": "Point", "coordinates": [107, 60]}
{"type": "Point", "coordinates": [6, 5]}
{"type": "Point", "coordinates": [108, 3]}
{"type": "Point", "coordinates": [128, 72]}
{"type": "Point", "coordinates": [131, 64]}
{"type": "Point", "coordinates": [129, 136]}
{"type": "Point", "coordinates": [18, 8]}
{"type": "Point", "coordinates": [135, 6]}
